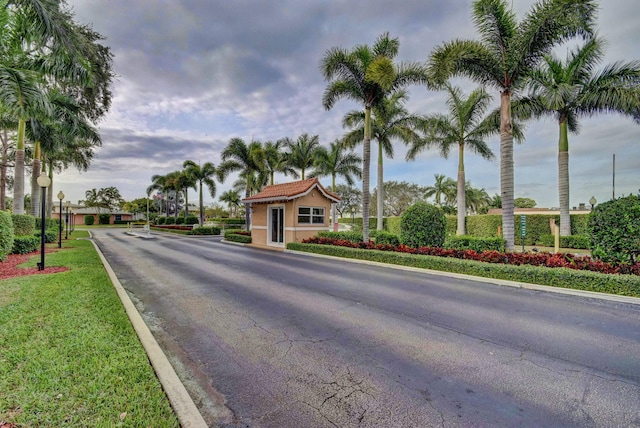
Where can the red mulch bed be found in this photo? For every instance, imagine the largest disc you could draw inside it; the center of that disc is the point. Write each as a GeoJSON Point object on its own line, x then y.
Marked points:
{"type": "Point", "coordinates": [9, 269]}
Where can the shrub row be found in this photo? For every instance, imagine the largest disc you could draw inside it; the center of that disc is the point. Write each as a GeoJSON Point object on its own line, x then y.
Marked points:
{"type": "Point", "coordinates": [25, 244]}
{"type": "Point", "coordinates": [466, 242]}
{"type": "Point", "coordinates": [206, 230]}
{"type": "Point", "coordinates": [573, 241]}
{"type": "Point", "coordinates": [346, 235]}
{"type": "Point", "coordinates": [238, 236]}
{"type": "Point", "coordinates": [533, 259]}
{"type": "Point", "coordinates": [23, 224]}
{"type": "Point", "coordinates": [6, 234]}
{"type": "Point", "coordinates": [227, 220]}
{"type": "Point", "coordinates": [628, 285]}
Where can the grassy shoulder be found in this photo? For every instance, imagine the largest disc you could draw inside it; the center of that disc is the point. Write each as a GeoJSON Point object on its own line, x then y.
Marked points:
{"type": "Point", "coordinates": [625, 285]}
{"type": "Point", "coordinates": [70, 356]}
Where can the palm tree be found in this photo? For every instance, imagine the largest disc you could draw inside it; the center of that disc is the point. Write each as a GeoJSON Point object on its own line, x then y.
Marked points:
{"type": "Point", "coordinates": [302, 153]}
{"type": "Point", "coordinates": [366, 75]}
{"type": "Point", "coordinates": [390, 121]}
{"type": "Point", "coordinates": [475, 199]}
{"type": "Point", "coordinates": [464, 127]}
{"type": "Point", "coordinates": [570, 90]}
{"type": "Point", "coordinates": [444, 187]}
{"type": "Point", "coordinates": [503, 57]}
{"type": "Point", "coordinates": [202, 175]}
{"type": "Point", "coordinates": [184, 181]}
{"type": "Point", "coordinates": [276, 159]}
{"type": "Point", "coordinates": [248, 159]}
{"type": "Point", "coordinates": [232, 199]}
{"type": "Point", "coordinates": [337, 162]}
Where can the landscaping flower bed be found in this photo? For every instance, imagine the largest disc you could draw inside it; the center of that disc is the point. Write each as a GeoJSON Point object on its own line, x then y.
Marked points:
{"type": "Point", "coordinates": [571, 261]}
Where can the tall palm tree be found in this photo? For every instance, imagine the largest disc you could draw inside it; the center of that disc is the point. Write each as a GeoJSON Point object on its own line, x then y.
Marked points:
{"type": "Point", "coordinates": [203, 175]}
{"type": "Point", "coordinates": [390, 120]}
{"type": "Point", "coordinates": [232, 199]}
{"type": "Point", "coordinates": [465, 127]}
{"type": "Point", "coordinates": [444, 188]}
{"type": "Point", "coordinates": [302, 153]}
{"type": "Point", "coordinates": [572, 89]}
{"type": "Point", "coordinates": [276, 159]}
{"type": "Point", "coordinates": [248, 159]}
{"type": "Point", "coordinates": [336, 161]}
{"type": "Point", "coordinates": [183, 182]}
{"type": "Point", "coordinates": [503, 57]}
{"type": "Point", "coordinates": [366, 75]}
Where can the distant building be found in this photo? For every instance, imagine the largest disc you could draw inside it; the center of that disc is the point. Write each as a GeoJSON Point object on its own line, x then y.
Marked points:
{"type": "Point", "coordinates": [77, 214]}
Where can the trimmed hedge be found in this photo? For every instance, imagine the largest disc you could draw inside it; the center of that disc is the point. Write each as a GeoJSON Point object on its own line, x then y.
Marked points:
{"type": "Point", "coordinates": [626, 285]}
{"type": "Point", "coordinates": [6, 234]}
{"type": "Point", "coordinates": [180, 220]}
{"type": "Point", "coordinates": [160, 220]}
{"type": "Point", "coordinates": [383, 237]}
{"type": "Point", "coordinates": [170, 220]}
{"type": "Point", "coordinates": [206, 230]}
{"type": "Point", "coordinates": [483, 225]}
{"type": "Point", "coordinates": [422, 225]}
{"type": "Point", "coordinates": [23, 224]}
{"type": "Point", "coordinates": [238, 236]}
{"type": "Point", "coordinates": [466, 242]}
{"type": "Point", "coordinates": [104, 218]}
{"type": "Point", "coordinates": [192, 220]}
{"type": "Point", "coordinates": [89, 220]}
{"type": "Point", "coordinates": [346, 235]}
{"type": "Point", "coordinates": [25, 244]}
{"type": "Point", "coordinates": [237, 221]}
{"type": "Point", "coordinates": [50, 235]}
{"type": "Point", "coordinates": [580, 242]}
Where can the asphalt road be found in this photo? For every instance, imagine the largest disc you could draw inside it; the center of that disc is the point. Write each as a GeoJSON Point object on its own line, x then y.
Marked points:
{"type": "Point", "coordinates": [266, 339]}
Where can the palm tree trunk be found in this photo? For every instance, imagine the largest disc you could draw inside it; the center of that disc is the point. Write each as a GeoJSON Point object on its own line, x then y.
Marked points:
{"type": "Point", "coordinates": [201, 206]}
{"type": "Point", "coordinates": [18, 182]}
{"type": "Point", "coordinates": [49, 202]}
{"type": "Point", "coordinates": [366, 160]}
{"type": "Point", "coordinates": [247, 207]}
{"type": "Point", "coordinates": [380, 201]}
{"type": "Point", "coordinates": [563, 180]}
{"type": "Point", "coordinates": [462, 200]}
{"type": "Point", "coordinates": [35, 189]}
{"type": "Point", "coordinates": [3, 169]}
{"type": "Point", "coordinates": [506, 169]}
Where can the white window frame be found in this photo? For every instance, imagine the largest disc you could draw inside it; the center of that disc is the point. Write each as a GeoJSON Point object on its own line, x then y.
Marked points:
{"type": "Point", "coordinates": [312, 215]}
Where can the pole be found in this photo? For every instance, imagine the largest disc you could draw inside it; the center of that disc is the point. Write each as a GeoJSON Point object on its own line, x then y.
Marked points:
{"type": "Point", "coordinates": [66, 223]}
{"type": "Point", "coordinates": [42, 228]}
{"type": "Point", "coordinates": [614, 176]}
{"type": "Point", "coordinates": [60, 226]}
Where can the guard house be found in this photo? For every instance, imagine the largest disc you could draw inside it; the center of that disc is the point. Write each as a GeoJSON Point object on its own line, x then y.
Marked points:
{"type": "Point", "coordinates": [290, 212]}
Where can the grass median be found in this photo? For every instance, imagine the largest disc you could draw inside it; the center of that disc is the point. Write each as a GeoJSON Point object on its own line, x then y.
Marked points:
{"type": "Point", "coordinates": [69, 355]}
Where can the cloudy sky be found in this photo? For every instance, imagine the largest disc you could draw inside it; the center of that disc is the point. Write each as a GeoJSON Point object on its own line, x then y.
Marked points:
{"type": "Point", "coordinates": [192, 74]}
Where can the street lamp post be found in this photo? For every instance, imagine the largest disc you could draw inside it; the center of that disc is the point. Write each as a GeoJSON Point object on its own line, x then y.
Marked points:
{"type": "Point", "coordinates": [60, 197]}
{"type": "Point", "coordinates": [66, 219]}
{"type": "Point", "coordinates": [43, 181]}
{"type": "Point", "coordinates": [593, 202]}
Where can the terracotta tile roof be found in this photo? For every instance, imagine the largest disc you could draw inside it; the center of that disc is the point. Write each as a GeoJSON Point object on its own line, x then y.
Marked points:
{"type": "Point", "coordinates": [287, 191]}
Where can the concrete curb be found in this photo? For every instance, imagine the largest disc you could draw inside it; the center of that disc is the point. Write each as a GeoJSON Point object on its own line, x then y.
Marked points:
{"type": "Point", "coordinates": [502, 282]}
{"type": "Point", "coordinates": [180, 400]}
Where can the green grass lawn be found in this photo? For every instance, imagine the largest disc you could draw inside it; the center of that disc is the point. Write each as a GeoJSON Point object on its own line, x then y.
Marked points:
{"type": "Point", "coordinates": [68, 353]}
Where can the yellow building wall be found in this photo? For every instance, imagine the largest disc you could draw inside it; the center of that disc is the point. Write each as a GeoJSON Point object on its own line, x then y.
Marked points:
{"type": "Point", "coordinates": [294, 232]}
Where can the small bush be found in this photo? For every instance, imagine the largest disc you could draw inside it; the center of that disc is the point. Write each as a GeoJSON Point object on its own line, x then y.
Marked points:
{"type": "Point", "coordinates": [23, 224]}
{"type": "Point", "coordinates": [192, 220]}
{"type": "Point", "coordinates": [423, 225]}
{"type": "Point", "coordinates": [206, 230]}
{"type": "Point", "coordinates": [104, 218]}
{"type": "Point", "coordinates": [614, 227]}
{"type": "Point", "coordinates": [467, 242]}
{"type": "Point", "coordinates": [50, 235]}
{"type": "Point", "coordinates": [179, 220]}
{"type": "Point", "coordinates": [160, 220]}
{"type": "Point", "coordinates": [6, 234]}
{"type": "Point", "coordinates": [25, 244]}
{"type": "Point", "coordinates": [383, 237]}
{"type": "Point", "coordinates": [89, 220]}
{"type": "Point", "coordinates": [170, 220]}
{"type": "Point", "coordinates": [236, 221]}
{"type": "Point", "coordinates": [240, 237]}
{"type": "Point", "coordinates": [121, 221]}
{"type": "Point", "coordinates": [347, 236]}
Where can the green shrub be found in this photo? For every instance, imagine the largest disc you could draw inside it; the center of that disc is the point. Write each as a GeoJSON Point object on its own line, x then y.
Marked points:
{"type": "Point", "coordinates": [206, 230]}
{"type": "Point", "coordinates": [483, 225]}
{"type": "Point", "coordinates": [237, 236]}
{"type": "Point", "coordinates": [170, 220]}
{"type": "Point", "coordinates": [479, 244]}
{"type": "Point", "coordinates": [423, 225]}
{"type": "Point", "coordinates": [383, 237]}
{"type": "Point", "coordinates": [160, 220]}
{"type": "Point", "coordinates": [23, 224]}
{"type": "Point", "coordinates": [89, 219]}
{"type": "Point", "coordinates": [50, 235]}
{"type": "Point", "coordinates": [452, 224]}
{"type": "Point", "coordinates": [228, 220]}
{"type": "Point", "coordinates": [6, 234]}
{"type": "Point", "coordinates": [393, 225]}
{"type": "Point", "coordinates": [614, 228]}
{"type": "Point", "coordinates": [50, 223]}
{"type": "Point", "coordinates": [627, 285]}
{"type": "Point", "coordinates": [192, 220]}
{"type": "Point", "coordinates": [25, 244]}
{"type": "Point", "coordinates": [573, 241]}
{"type": "Point", "coordinates": [580, 224]}
{"type": "Point", "coordinates": [104, 218]}
{"type": "Point", "coordinates": [179, 220]}
{"type": "Point", "coordinates": [346, 235]}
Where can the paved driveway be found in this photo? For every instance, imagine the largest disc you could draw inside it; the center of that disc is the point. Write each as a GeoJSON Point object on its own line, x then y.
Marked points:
{"type": "Point", "coordinates": [266, 339]}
